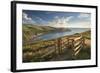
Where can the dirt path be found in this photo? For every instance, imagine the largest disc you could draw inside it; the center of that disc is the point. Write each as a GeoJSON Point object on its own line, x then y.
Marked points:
{"type": "Point", "coordinates": [66, 55]}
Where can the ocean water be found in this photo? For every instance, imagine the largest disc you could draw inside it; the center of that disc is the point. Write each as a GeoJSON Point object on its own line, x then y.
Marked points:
{"type": "Point", "coordinates": [55, 35]}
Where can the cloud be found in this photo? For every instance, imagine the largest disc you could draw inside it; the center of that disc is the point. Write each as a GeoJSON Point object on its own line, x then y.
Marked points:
{"type": "Point", "coordinates": [56, 17]}
{"type": "Point", "coordinates": [69, 18]}
{"type": "Point", "coordinates": [26, 19]}
{"type": "Point", "coordinates": [84, 15]}
{"type": "Point", "coordinates": [49, 12]}
{"type": "Point", "coordinates": [83, 24]}
{"type": "Point", "coordinates": [60, 22]}
{"type": "Point", "coordinates": [64, 22]}
{"type": "Point", "coordinates": [40, 19]}
{"type": "Point", "coordinates": [25, 16]}
{"type": "Point", "coordinates": [80, 21]}
{"type": "Point", "coordinates": [66, 19]}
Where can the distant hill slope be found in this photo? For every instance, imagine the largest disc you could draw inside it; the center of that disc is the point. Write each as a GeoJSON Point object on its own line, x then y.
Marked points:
{"type": "Point", "coordinates": [36, 28]}
{"type": "Point", "coordinates": [87, 34]}
{"type": "Point", "coordinates": [29, 30]}
{"type": "Point", "coordinates": [33, 30]}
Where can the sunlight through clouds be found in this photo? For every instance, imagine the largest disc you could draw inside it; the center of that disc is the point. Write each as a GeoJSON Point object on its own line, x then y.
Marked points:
{"type": "Point", "coordinates": [60, 22]}
{"type": "Point", "coordinates": [57, 19]}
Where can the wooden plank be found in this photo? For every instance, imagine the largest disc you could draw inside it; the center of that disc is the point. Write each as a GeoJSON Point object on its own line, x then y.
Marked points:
{"type": "Point", "coordinates": [77, 48]}
{"type": "Point", "coordinates": [65, 42]}
{"type": "Point", "coordinates": [77, 52]}
{"type": "Point", "coordinates": [63, 47]}
{"type": "Point", "coordinates": [77, 43]}
{"type": "Point", "coordinates": [76, 39]}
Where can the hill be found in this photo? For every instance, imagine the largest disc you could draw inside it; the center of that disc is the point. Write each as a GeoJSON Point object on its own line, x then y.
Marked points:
{"type": "Point", "coordinates": [30, 30]}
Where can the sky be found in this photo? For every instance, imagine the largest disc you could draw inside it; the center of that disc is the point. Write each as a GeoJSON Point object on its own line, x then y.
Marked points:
{"type": "Point", "coordinates": [57, 19]}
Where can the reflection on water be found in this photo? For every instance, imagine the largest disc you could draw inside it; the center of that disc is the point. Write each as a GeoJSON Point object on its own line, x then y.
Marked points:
{"type": "Point", "coordinates": [61, 34]}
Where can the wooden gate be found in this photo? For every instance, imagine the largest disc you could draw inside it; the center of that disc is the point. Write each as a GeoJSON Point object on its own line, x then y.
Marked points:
{"type": "Point", "coordinates": [57, 47]}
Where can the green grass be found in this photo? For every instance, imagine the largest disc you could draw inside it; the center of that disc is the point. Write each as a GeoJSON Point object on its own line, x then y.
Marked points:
{"type": "Point", "coordinates": [29, 30]}
{"type": "Point", "coordinates": [87, 34]}
{"type": "Point", "coordinates": [84, 54]}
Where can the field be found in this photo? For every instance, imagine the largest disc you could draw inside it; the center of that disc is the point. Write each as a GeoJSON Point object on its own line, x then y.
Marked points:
{"type": "Point", "coordinates": [58, 49]}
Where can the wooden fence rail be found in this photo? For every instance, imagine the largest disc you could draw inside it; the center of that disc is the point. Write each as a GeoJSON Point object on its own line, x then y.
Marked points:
{"type": "Point", "coordinates": [59, 46]}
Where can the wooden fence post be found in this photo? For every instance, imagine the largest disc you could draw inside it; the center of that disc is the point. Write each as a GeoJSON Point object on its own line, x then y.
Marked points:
{"type": "Point", "coordinates": [59, 45]}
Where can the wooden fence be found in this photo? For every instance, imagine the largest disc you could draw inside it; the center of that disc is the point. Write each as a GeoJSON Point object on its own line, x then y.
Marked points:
{"type": "Point", "coordinates": [57, 47]}
{"type": "Point", "coordinates": [78, 44]}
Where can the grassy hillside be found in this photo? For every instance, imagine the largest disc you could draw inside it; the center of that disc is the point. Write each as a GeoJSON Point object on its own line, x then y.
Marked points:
{"type": "Point", "coordinates": [30, 30]}
{"type": "Point", "coordinates": [87, 34]}
{"type": "Point", "coordinates": [33, 52]}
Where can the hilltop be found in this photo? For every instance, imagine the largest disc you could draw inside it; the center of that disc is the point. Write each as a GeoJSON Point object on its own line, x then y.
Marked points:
{"type": "Point", "coordinates": [33, 30]}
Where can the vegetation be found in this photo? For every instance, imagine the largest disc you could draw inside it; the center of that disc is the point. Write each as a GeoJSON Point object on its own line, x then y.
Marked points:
{"type": "Point", "coordinates": [30, 30]}
{"type": "Point", "coordinates": [84, 54]}
{"type": "Point", "coordinates": [87, 34]}
{"type": "Point", "coordinates": [35, 52]}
